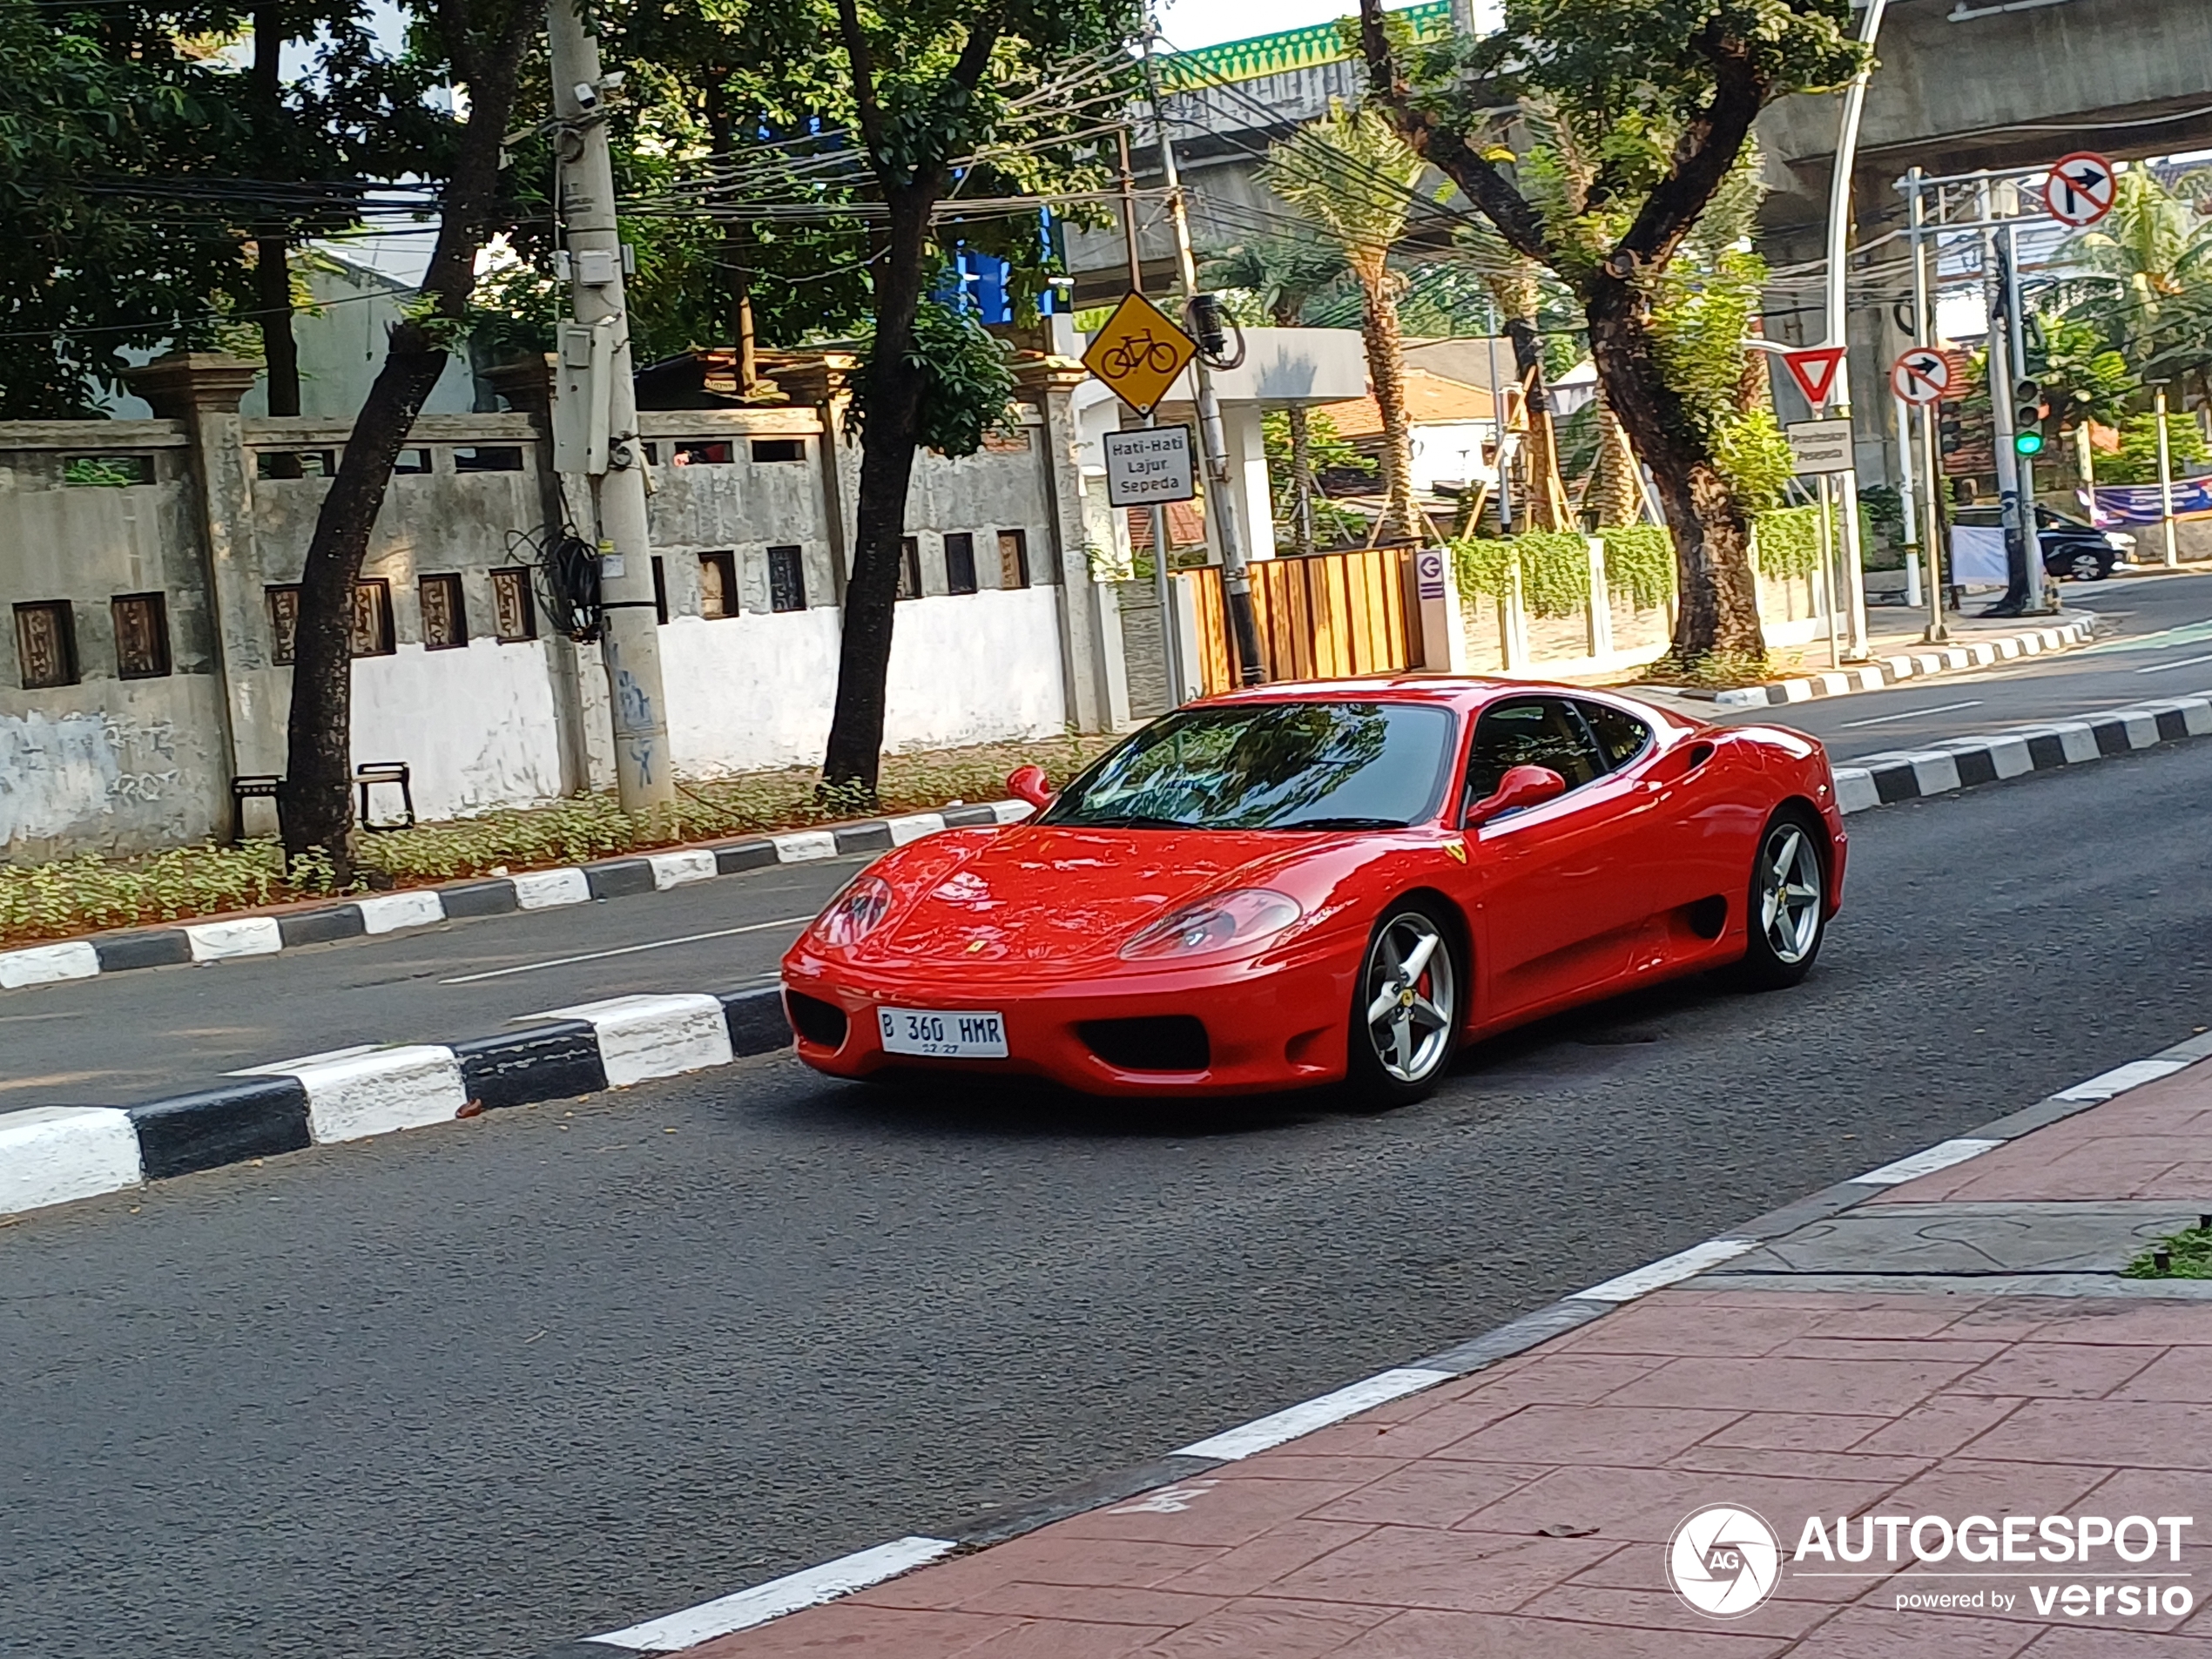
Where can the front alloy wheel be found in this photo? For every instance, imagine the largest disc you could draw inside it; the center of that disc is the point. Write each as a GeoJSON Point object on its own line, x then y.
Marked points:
{"type": "Point", "coordinates": [2085, 567]}
{"type": "Point", "coordinates": [1788, 903]}
{"type": "Point", "coordinates": [1406, 1020]}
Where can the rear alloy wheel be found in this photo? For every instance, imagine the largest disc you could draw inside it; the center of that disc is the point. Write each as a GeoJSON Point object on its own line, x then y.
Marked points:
{"type": "Point", "coordinates": [1788, 909]}
{"type": "Point", "coordinates": [1405, 1011]}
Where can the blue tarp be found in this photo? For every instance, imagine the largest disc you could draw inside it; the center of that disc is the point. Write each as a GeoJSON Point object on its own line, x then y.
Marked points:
{"type": "Point", "coordinates": [2139, 504]}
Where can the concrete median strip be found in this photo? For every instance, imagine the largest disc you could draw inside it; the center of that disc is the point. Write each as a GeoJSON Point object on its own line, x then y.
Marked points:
{"type": "Point", "coordinates": [57, 1154]}
{"type": "Point", "coordinates": [1895, 670]}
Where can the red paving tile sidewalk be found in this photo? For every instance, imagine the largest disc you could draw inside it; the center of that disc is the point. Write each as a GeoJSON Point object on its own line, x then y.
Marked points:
{"type": "Point", "coordinates": [1525, 1509]}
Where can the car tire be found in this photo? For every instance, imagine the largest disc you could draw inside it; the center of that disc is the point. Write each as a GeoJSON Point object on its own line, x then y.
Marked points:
{"type": "Point", "coordinates": [2088, 567]}
{"type": "Point", "coordinates": [1405, 1028]}
{"type": "Point", "coordinates": [1786, 903]}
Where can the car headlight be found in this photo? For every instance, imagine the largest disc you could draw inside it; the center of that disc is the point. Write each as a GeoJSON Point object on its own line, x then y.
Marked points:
{"type": "Point", "coordinates": [855, 913]}
{"type": "Point", "coordinates": [1241, 917]}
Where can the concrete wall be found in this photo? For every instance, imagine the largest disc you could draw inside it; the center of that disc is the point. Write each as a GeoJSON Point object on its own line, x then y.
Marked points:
{"type": "Point", "coordinates": [122, 764]}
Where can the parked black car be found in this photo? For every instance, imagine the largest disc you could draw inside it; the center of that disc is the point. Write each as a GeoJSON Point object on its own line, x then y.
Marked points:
{"type": "Point", "coordinates": [2072, 550]}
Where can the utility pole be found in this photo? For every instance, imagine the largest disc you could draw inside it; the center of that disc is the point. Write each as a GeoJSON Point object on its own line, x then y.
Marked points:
{"type": "Point", "coordinates": [1163, 579]}
{"type": "Point", "coordinates": [1221, 496]}
{"type": "Point", "coordinates": [630, 637]}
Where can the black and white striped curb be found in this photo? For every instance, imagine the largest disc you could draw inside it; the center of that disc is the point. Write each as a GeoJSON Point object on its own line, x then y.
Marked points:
{"type": "Point", "coordinates": [1919, 664]}
{"type": "Point", "coordinates": [1171, 1479]}
{"type": "Point", "coordinates": [1962, 763]}
{"type": "Point", "coordinates": [385, 913]}
{"type": "Point", "coordinates": [52, 1155]}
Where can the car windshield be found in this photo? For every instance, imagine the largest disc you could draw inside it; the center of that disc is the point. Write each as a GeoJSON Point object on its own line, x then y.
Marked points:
{"type": "Point", "coordinates": [1269, 766]}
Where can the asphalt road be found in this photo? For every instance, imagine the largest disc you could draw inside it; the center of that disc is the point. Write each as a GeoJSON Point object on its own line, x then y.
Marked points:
{"type": "Point", "coordinates": [133, 1036]}
{"type": "Point", "coordinates": [475, 1391]}
{"type": "Point", "coordinates": [2159, 644]}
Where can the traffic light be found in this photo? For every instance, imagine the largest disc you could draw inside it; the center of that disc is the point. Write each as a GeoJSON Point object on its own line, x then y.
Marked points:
{"type": "Point", "coordinates": [2029, 411]}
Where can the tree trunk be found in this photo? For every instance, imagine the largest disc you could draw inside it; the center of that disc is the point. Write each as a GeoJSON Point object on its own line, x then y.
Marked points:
{"type": "Point", "coordinates": [888, 444]}
{"type": "Point", "coordinates": [272, 245]}
{"type": "Point", "coordinates": [1387, 369]}
{"type": "Point", "coordinates": [1546, 506]}
{"type": "Point", "coordinates": [1301, 420]}
{"type": "Point", "coordinates": [1617, 493]}
{"type": "Point", "coordinates": [1717, 596]}
{"type": "Point", "coordinates": [316, 806]}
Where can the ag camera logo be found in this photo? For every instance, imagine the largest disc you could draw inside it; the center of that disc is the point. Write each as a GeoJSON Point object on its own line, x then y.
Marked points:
{"type": "Point", "coordinates": [1724, 1561]}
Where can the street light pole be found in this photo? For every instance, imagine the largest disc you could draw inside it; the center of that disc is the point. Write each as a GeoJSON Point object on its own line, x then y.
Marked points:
{"type": "Point", "coordinates": [1221, 496]}
{"type": "Point", "coordinates": [1837, 322]}
{"type": "Point", "coordinates": [630, 634]}
{"type": "Point", "coordinates": [1924, 334]}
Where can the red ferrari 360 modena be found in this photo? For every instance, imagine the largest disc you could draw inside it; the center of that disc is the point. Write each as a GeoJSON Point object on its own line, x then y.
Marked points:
{"type": "Point", "coordinates": [1327, 882]}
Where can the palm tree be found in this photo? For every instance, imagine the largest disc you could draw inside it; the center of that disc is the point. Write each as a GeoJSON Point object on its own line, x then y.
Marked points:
{"type": "Point", "coordinates": [1282, 273]}
{"type": "Point", "coordinates": [2146, 280]}
{"type": "Point", "coordinates": [1352, 175]}
{"type": "Point", "coordinates": [1516, 288]}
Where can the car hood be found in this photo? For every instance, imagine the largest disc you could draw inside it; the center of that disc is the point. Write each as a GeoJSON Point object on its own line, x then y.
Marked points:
{"type": "Point", "coordinates": [1053, 895]}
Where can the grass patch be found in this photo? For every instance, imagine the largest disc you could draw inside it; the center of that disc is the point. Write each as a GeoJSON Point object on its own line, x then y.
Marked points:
{"type": "Point", "coordinates": [2187, 1254]}
{"type": "Point", "coordinates": [89, 894]}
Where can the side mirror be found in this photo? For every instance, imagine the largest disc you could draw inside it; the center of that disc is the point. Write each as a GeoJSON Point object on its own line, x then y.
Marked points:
{"type": "Point", "coordinates": [1028, 783]}
{"type": "Point", "coordinates": [1521, 787]}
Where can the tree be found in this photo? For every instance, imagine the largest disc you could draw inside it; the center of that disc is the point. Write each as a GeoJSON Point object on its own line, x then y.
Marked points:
{"type": "Point", "coordinates": [1283, 273]}
{"type": "Point", "coordinates": [1673, 87]}
{"type": "Point", "coordinates": [932, 84]}
{"type": "Point", "coordinates": [1352, 175]}
{"type": "Point", "coordinates": [1515, 284]}
{"type": "Point", "coordinates": [485, 42]}
{"type": "Point", "coordinates": [2146, 277]}
{"type": "Point", "coordinates": [98, 271]}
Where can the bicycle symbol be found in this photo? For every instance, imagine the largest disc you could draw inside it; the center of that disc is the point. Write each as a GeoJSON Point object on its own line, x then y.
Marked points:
{"type": "Point", "coordinates": [1124, 357]}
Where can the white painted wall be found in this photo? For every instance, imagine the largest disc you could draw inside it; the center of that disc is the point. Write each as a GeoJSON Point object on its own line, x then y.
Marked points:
{"type": "Point", "coordinates": [76, 772]}
{"type": "Point", "coordinates": [1449, 449]}
{"type": "Point", "coordinates": [752, 692]}
{"type": "Point", "coordinates": [476, 724]}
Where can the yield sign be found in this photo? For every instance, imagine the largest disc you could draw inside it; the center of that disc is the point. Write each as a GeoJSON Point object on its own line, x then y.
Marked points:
{"type": "Point", "coordinates": [1815, 371]}
{"type": "Point", "coordinates": [1921, 375]}
{"type": "Point", "coordinates": [2079, 190]}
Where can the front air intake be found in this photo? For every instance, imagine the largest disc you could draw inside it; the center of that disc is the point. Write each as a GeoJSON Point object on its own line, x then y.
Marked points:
{"type": "Point", "coordinates": [1155, 1042]}
{"type": "Point", "coordinates": [818, 1022]}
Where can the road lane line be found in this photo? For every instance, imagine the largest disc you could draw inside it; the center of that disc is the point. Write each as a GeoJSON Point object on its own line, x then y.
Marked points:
{"type": "Point", "coordinates": [1914, 714]}
{"type": "Point", "coordinates": [2186, 662]}
{"type": "Point", "coordinates": [632, 950]}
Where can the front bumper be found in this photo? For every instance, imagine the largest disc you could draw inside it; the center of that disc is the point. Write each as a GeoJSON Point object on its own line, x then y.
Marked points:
{"type": "Point", "coordinates": [1270, 1025]}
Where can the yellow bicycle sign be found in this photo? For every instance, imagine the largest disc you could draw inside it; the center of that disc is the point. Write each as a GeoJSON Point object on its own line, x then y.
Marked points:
{"type": "Point", "coordinates": [1139, 352]}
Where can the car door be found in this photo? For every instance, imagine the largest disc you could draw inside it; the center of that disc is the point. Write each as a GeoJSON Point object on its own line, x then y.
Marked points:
{"type": "Point", "coordinates": [1557, 920]}
{"type": "Point", "coordinates": [1694, 825]}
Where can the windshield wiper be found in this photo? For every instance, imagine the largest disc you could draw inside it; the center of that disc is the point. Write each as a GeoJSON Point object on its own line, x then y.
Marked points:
{"type": "Point", "coordinates": [1341, 824]}
{"type": "Point", "coordinates": [1124, 821]}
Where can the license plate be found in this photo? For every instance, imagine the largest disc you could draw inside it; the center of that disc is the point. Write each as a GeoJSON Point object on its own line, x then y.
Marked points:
{"type": "Point", "coordinates": [949, 1034]}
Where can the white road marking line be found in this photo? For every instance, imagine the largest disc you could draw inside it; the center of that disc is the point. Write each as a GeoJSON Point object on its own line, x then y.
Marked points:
{"type": "Point", "coordinates": [778, 1596]}
{"type": "Point", "coordinates": [1914, 714]}
{"type": "Point", "coordinates": [1668, 1270]}
{"type": "Point", "coordinates": [2186, 662]}
{"type": "Point", "coordinates": [1926, 1161]}
{"type": "Point", "coordinates": [632, 950]}
{"type": "Point", "coordinates": [1289, 1424]}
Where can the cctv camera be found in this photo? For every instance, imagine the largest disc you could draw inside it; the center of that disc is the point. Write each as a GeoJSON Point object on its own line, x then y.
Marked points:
{"type": "Point", "coordinates": [587, 96]}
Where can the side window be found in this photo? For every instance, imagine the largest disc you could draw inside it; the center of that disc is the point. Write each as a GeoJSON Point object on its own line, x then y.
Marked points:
{"type": "Point", "coordinates": [1531, 731]}
{"type": "Point", "coordinates": [1621, 737]}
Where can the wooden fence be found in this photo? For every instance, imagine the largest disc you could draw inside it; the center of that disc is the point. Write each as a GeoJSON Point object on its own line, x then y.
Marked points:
{"type": "Point", "coordinates": [1325, 616]}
